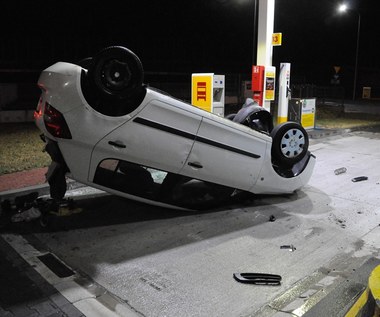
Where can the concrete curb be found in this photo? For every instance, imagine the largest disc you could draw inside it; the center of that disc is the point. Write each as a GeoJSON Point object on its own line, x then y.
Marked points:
{"type": "Point", "coordinates": [318, 133]}
{"type": "Point", "coordinates": [88, 297]}
{"type": "Point", "coordinates": [42, 189]}
{"type": "Point", "coordinates": [24, 190]}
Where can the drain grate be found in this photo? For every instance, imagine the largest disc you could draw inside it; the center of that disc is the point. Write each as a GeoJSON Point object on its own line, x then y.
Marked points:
{"type": "Point", "coordinates": [56, 266]}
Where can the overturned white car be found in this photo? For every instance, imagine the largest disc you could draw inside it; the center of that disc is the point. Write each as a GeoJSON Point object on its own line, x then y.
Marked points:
{"type": "Point", "coordinates": [103, 127]}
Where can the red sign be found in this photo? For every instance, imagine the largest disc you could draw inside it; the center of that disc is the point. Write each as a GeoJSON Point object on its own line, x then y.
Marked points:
{"type": "Point", "coordinates": [201, 90]}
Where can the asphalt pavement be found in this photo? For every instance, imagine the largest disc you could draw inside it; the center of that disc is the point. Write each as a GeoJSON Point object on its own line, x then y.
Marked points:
{"type": "Point", "coordinates": [36, 283]}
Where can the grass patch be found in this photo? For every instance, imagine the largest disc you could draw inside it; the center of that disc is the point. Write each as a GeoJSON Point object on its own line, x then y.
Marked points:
{"type": "Point", "coordinates": [344, 123]}
{"type": "Point", "coordinates": [336, 118]}
{"type": "Point", "coordinates": [21, 148]}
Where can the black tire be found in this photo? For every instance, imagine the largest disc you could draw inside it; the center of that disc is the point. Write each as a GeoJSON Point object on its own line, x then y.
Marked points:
{"type": "Point", "coordinates": [290, 143]}
{"type": "Point", "coordinates": [85, 62]}
{"type": "Point", "coordinates": [231, 116]}
{"type": "Point", "coordinates": [116, 72]}
{"type": "Point", "coordinates": [255, 117]}
{"type": "Point", "coordinates": [261, 121]}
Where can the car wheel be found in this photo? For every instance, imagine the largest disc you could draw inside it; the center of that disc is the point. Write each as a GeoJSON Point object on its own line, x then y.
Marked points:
{"type": "Point", "coordinates": [85, 62]}
{"type": "Point", "coordinates": [116, 72]}
{"type": "Point", "coordinates": [255, 117]}
{"type": "Point", "coordinates": [231, 116]}
{"type": "Point", "coordinates": [290, 143]}
{"type": "Point", "coordinates": [261, 121]}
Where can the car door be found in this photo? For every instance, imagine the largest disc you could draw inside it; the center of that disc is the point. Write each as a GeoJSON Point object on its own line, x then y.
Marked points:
{"type": "Point", "coordinates": [226, 153]}
{"type": "Point", "coordinates": [160, 136]}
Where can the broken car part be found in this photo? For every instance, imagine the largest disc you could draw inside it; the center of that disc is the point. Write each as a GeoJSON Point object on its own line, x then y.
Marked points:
{"type": "Point", "coordinates": [290, 247]}
{"type": "Point", "coordinates": [27, 215]}
{"type": "Point", "coordinates": [340, 170]}
{"type": "Point", "coordinates": [25, 208]}
{"type": "Point", "coordinates": [258, 278]}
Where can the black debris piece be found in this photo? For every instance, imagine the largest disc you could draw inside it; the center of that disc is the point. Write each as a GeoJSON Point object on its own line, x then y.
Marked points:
{"type": "Point", "coordinates": [289, 247]}
{"type": "Point", "coordinates": [258, 278]}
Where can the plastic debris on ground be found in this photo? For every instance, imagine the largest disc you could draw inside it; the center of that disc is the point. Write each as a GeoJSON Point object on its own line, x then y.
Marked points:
{"type": "Point", "coordinates": [359, 179]}
{"type": "Point", "coordinates": [26, 208]}
{"type": "Point", "coordinates": [27, 215]}
{"type": "Point", "coordinates": [340, 170]}
{"type": "Point", "coordinates": [289, 247]}
{"type": "Point", "coordinates": [258, 278]}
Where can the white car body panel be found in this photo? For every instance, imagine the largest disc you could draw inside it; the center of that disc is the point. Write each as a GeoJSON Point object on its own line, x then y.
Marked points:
{"type": "Point", "coordinates": [149, 146]}
{"type": "Point", "coordinates": [234, 146]}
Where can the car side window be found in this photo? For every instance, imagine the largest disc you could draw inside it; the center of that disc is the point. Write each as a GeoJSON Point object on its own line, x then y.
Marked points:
{"type": "Point", "coordinates": [129, 177]}
{"type": "Point", "coordinates": [157, 185]}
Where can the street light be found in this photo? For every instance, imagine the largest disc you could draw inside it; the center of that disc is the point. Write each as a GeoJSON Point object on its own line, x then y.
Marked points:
{"type": "Point", "coordinates": [342, 9]}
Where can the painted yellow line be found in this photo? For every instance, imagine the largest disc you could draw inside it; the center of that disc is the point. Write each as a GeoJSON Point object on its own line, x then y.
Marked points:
{"type": "Point", "coordinates": [371, 293]}
{"type": "Point", "coordinates": [359, 304]}
{"type": "Point", "coordinates": [374, 284]}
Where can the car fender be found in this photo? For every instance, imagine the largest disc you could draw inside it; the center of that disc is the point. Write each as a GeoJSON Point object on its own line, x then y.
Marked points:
{"type": "Point", "coordinates": [61, 84]}
{"type": "Point", "coordinates": [272, 182]}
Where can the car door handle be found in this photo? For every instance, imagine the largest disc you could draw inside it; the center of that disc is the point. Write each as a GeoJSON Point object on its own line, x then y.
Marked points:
{"type": "Point", "coordinates": [117, 144]}
{"type": "Point", "coordinates": [195, 165]}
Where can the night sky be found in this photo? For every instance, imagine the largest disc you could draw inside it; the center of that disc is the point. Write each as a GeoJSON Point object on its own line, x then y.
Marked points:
{"type": "Point", "coordinates": [189, 36]}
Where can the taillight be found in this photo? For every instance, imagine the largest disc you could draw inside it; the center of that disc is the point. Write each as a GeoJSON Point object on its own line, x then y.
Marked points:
{"type": "Point", "coordinates": [38, 112]}
{"type": "Point", "coordinates": [55, 123]}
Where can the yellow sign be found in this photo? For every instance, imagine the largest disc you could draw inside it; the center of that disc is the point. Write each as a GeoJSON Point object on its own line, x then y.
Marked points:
{"type": "Point", "coordinates": [277, 39]}
{"type": "Point", "coordinates": [308, 113]}
{"type": "Point", "coordinates": [201, 94]}
{"type": "Point", "coordinates": [270, 75]}
{"type": "Point", "coordinates": [307, 120]}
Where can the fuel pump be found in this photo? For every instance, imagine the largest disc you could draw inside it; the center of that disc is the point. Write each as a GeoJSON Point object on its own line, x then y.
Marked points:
{"type": "Point", "coordinates": [263, 83]}
{"type": "Point", "coordinates": [207, 92]}
{"type": "Point", "coordinates": [258, 84]}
